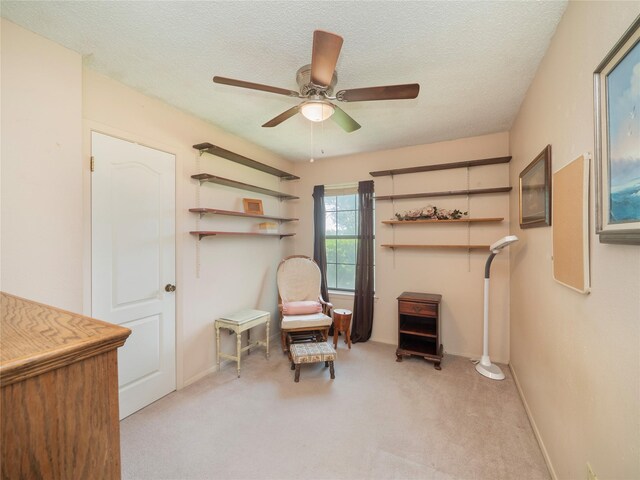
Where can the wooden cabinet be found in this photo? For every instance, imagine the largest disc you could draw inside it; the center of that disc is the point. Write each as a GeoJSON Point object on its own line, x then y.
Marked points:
{"type": "Point", "coordinates": [59, 393]}
{"type": "Point", "coordinates": [419, 326]}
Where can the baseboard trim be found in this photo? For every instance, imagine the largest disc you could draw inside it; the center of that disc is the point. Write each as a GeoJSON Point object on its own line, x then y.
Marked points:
{"type": "Point", "coordinates": [200, 375]}
{"type": "Point", "coordinates": [475, 356]}
{"type": "Point", "coordinates": [536, 432]}
{"type": "Point", "coordinates": [274, 341]}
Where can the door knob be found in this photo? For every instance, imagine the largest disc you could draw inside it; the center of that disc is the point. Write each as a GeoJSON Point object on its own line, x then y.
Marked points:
{"type": "Point", "coordinates": [169, 288]}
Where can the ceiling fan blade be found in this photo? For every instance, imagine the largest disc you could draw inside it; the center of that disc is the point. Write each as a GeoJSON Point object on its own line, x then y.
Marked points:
{"type": "Point", "coordinates": [282, 117]}
{"type": "Point", "coordinates": [389, 92]}
{"type": "Point", "coordinates": [347, 123]}
{"type": "Point", "coordinates": [324, 56]}
{"type": "Point", "coordinates": [255, 86]}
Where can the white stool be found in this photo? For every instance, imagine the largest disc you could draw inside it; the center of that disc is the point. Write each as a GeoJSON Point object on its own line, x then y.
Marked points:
{"type": "Point", "coordinates": [238, 323]}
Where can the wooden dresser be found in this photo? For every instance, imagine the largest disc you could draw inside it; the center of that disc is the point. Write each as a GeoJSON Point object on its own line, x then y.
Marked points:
{"type": "Point", "coordinates": [59, 393]}
{"type": "Point", "coordinates": [419, 326]}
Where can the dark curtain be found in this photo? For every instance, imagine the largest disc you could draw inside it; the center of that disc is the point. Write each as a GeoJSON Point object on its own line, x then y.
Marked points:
{"type": "Point", "coordinates": [319, 250]}
{"type": "Point", "coordinates": [362, 322]}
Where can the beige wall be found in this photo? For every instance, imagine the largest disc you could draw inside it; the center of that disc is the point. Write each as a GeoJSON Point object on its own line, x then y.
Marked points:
{"type": "Point", "coordinates": [457, 275]}
{"type": "Point", "coordinates": [576, 357]}
{"type": "Point", "coordinates": [49, 107]}
{"type": "Point", "coordinates": [41, 253]}
{"type": "Point", "coordinates": [217, 275]}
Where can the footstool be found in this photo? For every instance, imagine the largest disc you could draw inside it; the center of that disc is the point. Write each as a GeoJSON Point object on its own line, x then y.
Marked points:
{"type": "Point", "coordinates": [311, 353]}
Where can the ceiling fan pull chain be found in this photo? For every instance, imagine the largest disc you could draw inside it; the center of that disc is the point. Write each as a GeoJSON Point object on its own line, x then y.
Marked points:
{"type": "Point", "coordinates": [322, 138]}
{"type": "Point", "coordinates": [311, 160]}
{"type": "Point", "coordinates": [468, 223]}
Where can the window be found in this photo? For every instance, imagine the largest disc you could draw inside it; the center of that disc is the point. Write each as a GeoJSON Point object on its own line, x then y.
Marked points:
{"type": "Point", "coordinates": [341, 238]}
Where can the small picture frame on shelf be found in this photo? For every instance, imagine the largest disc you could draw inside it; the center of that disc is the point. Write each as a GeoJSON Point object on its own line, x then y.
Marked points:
{"type": "Point", "coordinates": [252, 206]}
{"type": "Point", "coordinates": [535, 191]}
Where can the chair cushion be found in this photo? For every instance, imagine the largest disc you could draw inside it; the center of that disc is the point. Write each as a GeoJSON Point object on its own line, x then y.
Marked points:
{"type": "Point", "coordinates": [314, 320]}
{"type": "Point", "coordinates": [298, 278]}
{"type": "Point", "coordinates": [301, 308]}
{"type": "Point", "coordinates": [312, 352]}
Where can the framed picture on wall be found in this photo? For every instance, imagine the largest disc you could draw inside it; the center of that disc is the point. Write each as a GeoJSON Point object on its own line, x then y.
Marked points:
{"type": "Point", "coordinates": [616, 83]}
{"type": "Point", "coordinates": [535, 191]}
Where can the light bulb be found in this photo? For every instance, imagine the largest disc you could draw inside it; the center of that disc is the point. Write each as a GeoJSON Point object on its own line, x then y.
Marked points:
{"type": "Point", "coordinates": [317, 110]}
{"type": "Point", "coordinates": [311, 160]}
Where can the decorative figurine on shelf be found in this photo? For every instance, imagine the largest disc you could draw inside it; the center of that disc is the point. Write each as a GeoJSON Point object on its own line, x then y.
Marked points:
{"type": "Point", "coordinates": [431, 212]}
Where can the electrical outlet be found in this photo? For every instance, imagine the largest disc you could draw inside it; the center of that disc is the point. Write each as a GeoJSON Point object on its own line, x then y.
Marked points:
{"type": "Point", "coordinates": [590, 474]}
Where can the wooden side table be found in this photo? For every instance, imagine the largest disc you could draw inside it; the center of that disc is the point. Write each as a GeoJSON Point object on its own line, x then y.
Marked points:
{"type": "Point", "coordinates": [239, 322]}
{"type": "Point", "coordinates": [419, 327]}
{"type": "Point", "coordinates": [341, 323]}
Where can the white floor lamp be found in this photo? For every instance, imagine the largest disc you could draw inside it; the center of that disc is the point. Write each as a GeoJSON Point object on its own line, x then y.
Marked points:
{"type": "Point", "coordinates": [484, 366]}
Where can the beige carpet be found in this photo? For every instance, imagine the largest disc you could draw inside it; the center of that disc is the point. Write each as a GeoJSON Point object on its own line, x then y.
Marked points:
{"type": "Point", "coordinates": [378, 419]}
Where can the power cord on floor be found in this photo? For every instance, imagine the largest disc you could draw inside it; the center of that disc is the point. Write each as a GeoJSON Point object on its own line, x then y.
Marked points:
{"type": "Point", "coordinates": [475, 361]}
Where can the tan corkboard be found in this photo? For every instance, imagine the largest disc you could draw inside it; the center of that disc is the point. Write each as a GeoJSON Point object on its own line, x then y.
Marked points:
{"type": "Point", "coordinates": [570, 187]}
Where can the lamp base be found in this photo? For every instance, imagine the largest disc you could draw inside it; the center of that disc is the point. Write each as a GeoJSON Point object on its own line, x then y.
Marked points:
{"type": "Point", "coordinates": [490, 371]}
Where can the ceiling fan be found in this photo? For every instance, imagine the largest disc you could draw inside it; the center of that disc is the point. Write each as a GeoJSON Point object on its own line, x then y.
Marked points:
{"type": "Point", "coordinates": [317, 81]}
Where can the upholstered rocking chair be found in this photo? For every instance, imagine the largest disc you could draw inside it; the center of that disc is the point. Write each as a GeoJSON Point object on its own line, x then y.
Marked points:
{"type": "Point", "coordinates": [300, 302]}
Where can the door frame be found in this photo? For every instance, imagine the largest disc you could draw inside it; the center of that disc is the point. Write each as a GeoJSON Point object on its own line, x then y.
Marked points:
{"type": "Point", "coordinates": [89, 126]}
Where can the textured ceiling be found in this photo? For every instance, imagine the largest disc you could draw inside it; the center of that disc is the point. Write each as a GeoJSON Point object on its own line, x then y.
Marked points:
{"type": "Point", "coordinates": [473, 60]}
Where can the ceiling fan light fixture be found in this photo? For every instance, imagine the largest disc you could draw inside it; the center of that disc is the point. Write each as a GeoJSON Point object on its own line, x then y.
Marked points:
{"type": "Point", "coordinates": [317, 110]}
{"type": "Point", "coordinates": [316, 83]}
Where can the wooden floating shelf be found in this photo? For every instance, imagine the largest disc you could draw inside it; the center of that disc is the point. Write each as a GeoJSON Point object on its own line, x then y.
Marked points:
{"type": "Point", "coordinates": [234, 157]}
{"type": "Point", "coordinates": [443, 247]}
{"type": "Point", "coordinates": [206, 177]}
{"type": "Point", "coordinates": [441, 166]}
{"type": "Point", "coordinates": [477, 191]}
{"type": "Point", "coordinates": [459, 220]}
{"type": "Point", "coordinates": [202, 233]}
{"type": "Point", "coordinates": [215, 211]}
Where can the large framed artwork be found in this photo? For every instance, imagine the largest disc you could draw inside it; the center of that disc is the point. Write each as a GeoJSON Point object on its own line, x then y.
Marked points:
{"type": "Point", "coordinates": [617, 149]}
{"type": "Point", "coordinates": [535, 191]}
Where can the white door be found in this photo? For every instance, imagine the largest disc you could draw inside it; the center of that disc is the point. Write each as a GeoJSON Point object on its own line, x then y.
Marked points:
{"type": "Point", "coordinates": [133, 262]}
